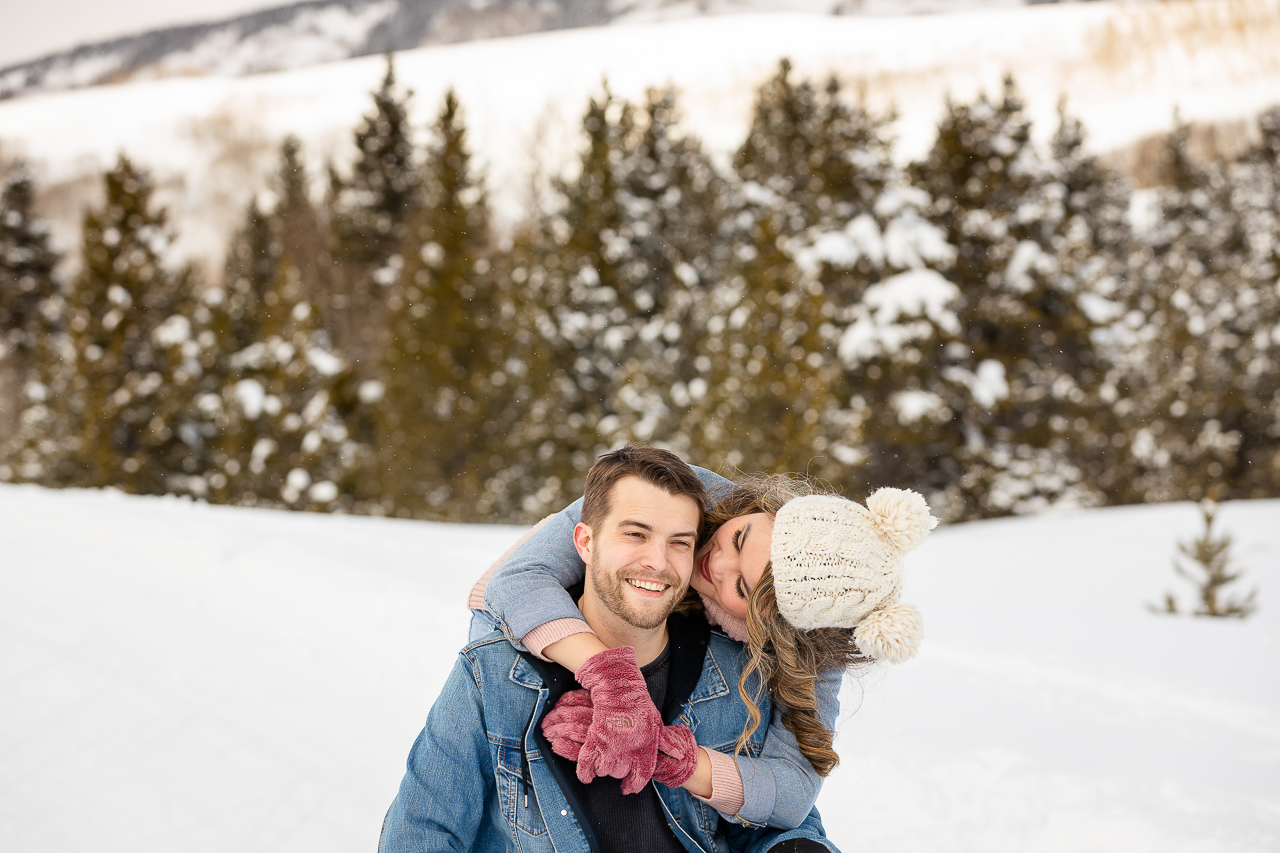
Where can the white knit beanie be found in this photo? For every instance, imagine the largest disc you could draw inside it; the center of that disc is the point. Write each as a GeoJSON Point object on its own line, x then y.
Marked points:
{"type": "Point", "coordinates": [837, 564]}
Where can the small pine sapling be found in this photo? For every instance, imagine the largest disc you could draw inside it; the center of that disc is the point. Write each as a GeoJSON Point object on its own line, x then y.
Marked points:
{"type": "Point", "coordinates": [1207, 562]}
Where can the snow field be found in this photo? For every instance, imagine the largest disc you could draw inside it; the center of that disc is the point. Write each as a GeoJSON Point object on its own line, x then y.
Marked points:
{"type": "Point", "coordinates": [186, 677]}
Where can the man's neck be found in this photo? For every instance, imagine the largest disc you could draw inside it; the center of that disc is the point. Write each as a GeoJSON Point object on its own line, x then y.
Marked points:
{"type": "Point", "coordinates": [614, 632]}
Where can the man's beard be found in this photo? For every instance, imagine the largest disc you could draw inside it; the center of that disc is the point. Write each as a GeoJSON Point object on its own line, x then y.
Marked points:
{"type": "Point", "coordinates": [611, 588]}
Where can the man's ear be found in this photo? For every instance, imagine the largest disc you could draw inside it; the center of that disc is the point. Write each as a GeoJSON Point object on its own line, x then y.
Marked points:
{"type": "Point", "coordinates": [582, 541]}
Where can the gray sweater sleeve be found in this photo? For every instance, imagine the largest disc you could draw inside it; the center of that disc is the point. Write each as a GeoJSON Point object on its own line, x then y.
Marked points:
{"type": "Point", "coordinates": [781, 786]}
{"type": "Point", "coordinates": [528, 590]}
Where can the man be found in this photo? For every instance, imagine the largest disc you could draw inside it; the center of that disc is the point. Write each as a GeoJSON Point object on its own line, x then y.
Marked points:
{"type": "Point", "coordinates": [483, 776]}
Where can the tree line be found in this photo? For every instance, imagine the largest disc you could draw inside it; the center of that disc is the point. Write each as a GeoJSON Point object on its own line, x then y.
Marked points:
{"type": "Point", "coordinates": [991, 325]}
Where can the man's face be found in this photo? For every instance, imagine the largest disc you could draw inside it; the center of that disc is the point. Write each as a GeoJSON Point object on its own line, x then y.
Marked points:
{"type": "Point", "coordinates": [640, 556]}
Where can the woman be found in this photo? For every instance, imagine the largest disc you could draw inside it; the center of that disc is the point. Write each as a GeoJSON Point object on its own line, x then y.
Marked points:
{"type": "Point", "coordinates": [799, 645]}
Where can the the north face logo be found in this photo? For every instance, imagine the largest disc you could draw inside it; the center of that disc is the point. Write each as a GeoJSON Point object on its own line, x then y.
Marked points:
{"type": "Point", "coordinates": [622, 721]}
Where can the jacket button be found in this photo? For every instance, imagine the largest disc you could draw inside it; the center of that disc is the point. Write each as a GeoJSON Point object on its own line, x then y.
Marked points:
{"type": "Point", "coordinates": [563, 812]}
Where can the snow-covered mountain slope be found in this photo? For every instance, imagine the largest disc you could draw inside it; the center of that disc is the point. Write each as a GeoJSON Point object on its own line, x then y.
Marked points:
{"type": "Point", "coordinates": [1123, 67]}
{"type": "Point", "coordinates": [292, 36]}
{"type": "Point", "coordinates": [185, 677]}
{"type": "Point", "coordinates": [317, 31]}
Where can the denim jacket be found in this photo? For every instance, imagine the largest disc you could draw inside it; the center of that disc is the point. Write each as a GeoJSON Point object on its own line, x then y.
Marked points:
{"type": "Point", "coordinates": [779, 784]}
{"type": "Point", "coordinates": [481, 776]}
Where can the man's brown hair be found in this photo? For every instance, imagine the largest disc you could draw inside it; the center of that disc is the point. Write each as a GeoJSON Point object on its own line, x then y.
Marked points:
{"type": "Point", "coordinates": [653, 465]}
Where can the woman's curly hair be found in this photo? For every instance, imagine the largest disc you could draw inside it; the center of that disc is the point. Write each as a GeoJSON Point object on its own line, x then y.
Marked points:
{"type": "Point", "coordinates": [786, 659]}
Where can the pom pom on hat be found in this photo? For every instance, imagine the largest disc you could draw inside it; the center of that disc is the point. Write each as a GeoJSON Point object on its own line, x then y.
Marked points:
{"type": "Point", "coordinates": [838, 564]}
{"type": "Point", "coordinates": [892, 634]}
{"type": "Point", "coordinates": [902, 516]}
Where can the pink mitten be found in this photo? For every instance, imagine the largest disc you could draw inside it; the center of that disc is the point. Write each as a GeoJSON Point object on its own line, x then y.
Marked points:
{"type": "Point", "coordinates": [677, 756]}
{"type": "Point", "coordinates": [567, 723]}
{"type": "Point", "coordinates": [622, 740]}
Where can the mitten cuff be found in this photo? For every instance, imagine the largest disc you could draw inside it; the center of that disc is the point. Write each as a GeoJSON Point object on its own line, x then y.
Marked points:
{"type": "Point", "coordinates": [617, 667]}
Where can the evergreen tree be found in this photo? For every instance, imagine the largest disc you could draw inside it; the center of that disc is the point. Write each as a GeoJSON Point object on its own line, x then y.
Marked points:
{"type": "Point", "coordinates": [1203, 393]}
{"type": "Point", "coordinates": [1207, 562]}
{"type": "Point", "coordinates": [134, 354]}
{"type": "Point", "coordinates": [371, 212]}
{"type": "Point", "coordinates": [1025, 374]}
{"type": "Point", "coordinates": [770, 371]}
{"type": "Point", "coordinates": [584, 266]}
{"type": "Point", "coordinates": [897, 343]}
{"type": "Point", "coordinates": [624, 262]}
{"type": "Point", "coordinates": [823, 220]}
{"type": "Point", "coordinates": [444, 417]}
{"type": "Point", "coordinates": [27, 263]}
{"type": "Point", "coordinates": [811, 155]}
{"type": "Point", "coordinates": [673, 246]}
{"type": "Point", "coordinates": [275, 402]}
{"type": "Point", "coordinates": [1089, 233]}
{"type": "Point", "coordinates": [303, 237]}
{"type": "Point", "coordinates": [30, 308]}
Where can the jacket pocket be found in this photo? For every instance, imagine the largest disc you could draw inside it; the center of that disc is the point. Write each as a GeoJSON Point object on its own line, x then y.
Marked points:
{"type": "Point", "coordinates": [522, 814]}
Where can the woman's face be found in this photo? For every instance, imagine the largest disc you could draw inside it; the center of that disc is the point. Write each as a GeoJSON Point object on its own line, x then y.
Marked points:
{"type": "Point", "coordinates": [729, 566]}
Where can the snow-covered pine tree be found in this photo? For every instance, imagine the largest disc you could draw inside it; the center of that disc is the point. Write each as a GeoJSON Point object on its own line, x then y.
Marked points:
{"type": "Point", "coordinates": [303, 236]}
{"type": "Point", "coordinates": [575, 256]}
{"type": "Point", "coordinates": [867, 247]}
{"type": "Point", "coordinates": [369, 217]}
{"type": "Point", "coordinates": [673, 244]}
{"type": "Point", "coordinates": [447, 410]}
{"type": "Point", "coordinates": [1023, 374]}
{"type": "Point", "coordinates": [1089, 232]}
{"type": "Point", "coordinates": [768, 366]}
{"type": "Point", "coordinates": [1203, 412]}
{"type": "Point", "coordinates": [822, 217]}
{"type": "Point", "coordinates": [1207, 562]}
{"type": "Point", "coordinates": [31, 304]}
{"type": "Point", "coordinates": [273, 398]}
{"type": "Point", "coordinates": [897, 339]}
{"type": "Point", "coordinates": [135, 359]}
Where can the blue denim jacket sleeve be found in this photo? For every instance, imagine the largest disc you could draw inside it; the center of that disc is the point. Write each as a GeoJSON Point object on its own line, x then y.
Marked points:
{"type": "Point", "coordinates": [780, 786]}
{"type": "Point", "coordinates": [528, 590]}
{"type": "Point", "coordinates": [449, 772]}
{"type": "Point", "coordinates": [743, 840]}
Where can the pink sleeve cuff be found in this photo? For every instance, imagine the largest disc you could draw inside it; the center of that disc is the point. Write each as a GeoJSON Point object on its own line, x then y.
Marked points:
{"type": "Point", "coordinates": [544, 635]}
{"type": "Point", "coordinates": [726, 784]}
{"type": "Point", "coordinates": [475, 601]}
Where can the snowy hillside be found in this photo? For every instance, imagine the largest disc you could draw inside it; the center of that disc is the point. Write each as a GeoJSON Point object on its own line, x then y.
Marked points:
{"type": "Point", "coordinates": [317, 31]}
{"type": "Point", "coordinates": [210, 141]}
{"type": "Point", "coordinates": [186, 677]}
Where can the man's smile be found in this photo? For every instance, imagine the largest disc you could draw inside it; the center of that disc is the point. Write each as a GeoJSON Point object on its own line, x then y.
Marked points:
{"type": "Point", "coordinates": [648, 586]}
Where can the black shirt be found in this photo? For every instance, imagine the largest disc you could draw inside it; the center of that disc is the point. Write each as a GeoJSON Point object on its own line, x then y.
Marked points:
{"type": "Point", "coordinates": [633, 823]}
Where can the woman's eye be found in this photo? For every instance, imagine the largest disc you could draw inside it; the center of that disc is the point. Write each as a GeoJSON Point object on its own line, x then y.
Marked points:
{"type": "Point", "coordinates": [737, 541]}
{"type": "Point", "coordinates": [742, 590]}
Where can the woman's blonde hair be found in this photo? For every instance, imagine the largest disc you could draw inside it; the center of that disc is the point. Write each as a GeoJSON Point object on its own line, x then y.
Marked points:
{"type": "Point", "coordinates": [789, 661]}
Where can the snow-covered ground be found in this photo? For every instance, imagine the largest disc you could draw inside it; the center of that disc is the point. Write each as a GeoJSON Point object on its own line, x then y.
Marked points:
{"type": "Point", "coordinates": [1123, 67]}
{"type": "Point", "coordinates": [175, 676]}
